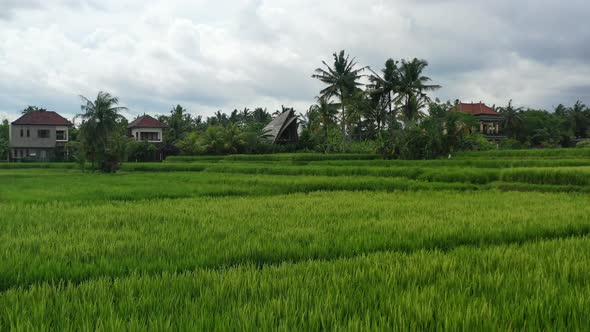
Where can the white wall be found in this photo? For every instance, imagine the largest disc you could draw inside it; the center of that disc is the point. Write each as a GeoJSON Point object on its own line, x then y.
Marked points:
{"type": "Point", "coordinates": [136, 133]}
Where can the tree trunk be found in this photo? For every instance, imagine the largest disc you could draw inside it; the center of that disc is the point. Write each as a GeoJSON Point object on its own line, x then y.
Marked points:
{"type": "Point", "coordinates": [389, 103]}
{"type": "Point", "coordinates": [343, 117]}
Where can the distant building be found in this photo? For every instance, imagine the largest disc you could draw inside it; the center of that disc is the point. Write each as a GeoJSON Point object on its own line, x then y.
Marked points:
{"type": "Point", "coordinates": [146, 128]}
{"type": "Point", "coordinates": [151, 130]}
{"type": "Point", "coordinates": [39, 136]}
{"type": "Point", "coordinates": [490, 121]}
{"type": "Point", "coordinates": [283, 129]}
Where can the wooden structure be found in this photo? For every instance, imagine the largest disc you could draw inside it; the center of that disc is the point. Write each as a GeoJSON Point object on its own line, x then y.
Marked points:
{"type": "Point", "coordinates": [282, 129]}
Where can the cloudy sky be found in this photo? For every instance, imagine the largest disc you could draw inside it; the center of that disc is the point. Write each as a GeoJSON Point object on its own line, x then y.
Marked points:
{"type": "Point", "coordinates": [226, 54]}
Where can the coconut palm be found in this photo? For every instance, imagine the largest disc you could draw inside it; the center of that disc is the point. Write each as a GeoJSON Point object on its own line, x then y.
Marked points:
{"type": "Point", "coordinates": [579, 117]}
{"type": "Point", "coordinates": [100, 122]}
{"type": "Point", "coordinates": [31, 109]}
{"type": "Point", "coordinates": [412, 111]}
{"type": "Point", "coordinates": [342, 80]}
{"type": "Point", "coordinates": [512, 118]}
{"type": "Point", "coordinates": [387, 84]}
{"type": "Point", "coordinates": [412, 84]}
{"type": "Point", "coordinates": [326, 113]}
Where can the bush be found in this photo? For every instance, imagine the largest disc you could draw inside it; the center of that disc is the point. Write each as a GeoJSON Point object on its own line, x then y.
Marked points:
{"type": "Point", "coordinates": [583, 144]}
{"type": "Point", "coordinates": [511, 144]}
{"type": "Point", "coordinates": [476, 142]}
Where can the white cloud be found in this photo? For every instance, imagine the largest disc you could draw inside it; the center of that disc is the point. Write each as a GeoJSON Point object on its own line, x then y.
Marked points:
{"type": "Point", "coordinates": [248, 53]}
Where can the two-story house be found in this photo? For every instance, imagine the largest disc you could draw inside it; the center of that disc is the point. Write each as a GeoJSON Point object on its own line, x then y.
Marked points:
{"type": "Point", "coordinates": [146, 128]}
{"type": "Point", "coordinates": [151, 130]}
{"type": "Point", "coordinates": [39, 136]}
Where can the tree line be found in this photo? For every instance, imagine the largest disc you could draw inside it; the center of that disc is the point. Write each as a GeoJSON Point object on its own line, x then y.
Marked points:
{"type": "Point", "coordinates": [359, 109]}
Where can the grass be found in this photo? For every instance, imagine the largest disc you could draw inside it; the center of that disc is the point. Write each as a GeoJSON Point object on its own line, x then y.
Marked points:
{"type": "Point", "coordinates": [535, 286]}
{"type": "Point", "coordinates": [484, 241]}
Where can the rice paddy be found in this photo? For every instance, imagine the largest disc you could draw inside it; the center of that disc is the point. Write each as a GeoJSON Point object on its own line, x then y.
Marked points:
{"type": "Point", "coordinates": [488, 241]}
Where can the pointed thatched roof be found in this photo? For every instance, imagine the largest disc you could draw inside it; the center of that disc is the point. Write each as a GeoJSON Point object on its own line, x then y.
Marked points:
{"type": "Point", "coordinates": [278, 125]}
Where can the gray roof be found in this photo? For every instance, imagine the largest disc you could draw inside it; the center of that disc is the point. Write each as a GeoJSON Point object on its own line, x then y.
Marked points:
{"type": "Point", "coordinates": [276, 127]}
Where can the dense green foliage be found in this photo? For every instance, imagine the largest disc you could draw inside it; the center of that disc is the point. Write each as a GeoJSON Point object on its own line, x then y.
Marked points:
{"type": "Point", "coordinates": [4, 139]}
{"type": "Point", "coordinates": [487, 240]}
{"type": "Point", "coordinates": [102, 138]}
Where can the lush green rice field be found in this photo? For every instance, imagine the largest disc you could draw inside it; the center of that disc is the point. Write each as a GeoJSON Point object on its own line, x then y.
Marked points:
{"type": "Point", "coordinates": [299, 242]}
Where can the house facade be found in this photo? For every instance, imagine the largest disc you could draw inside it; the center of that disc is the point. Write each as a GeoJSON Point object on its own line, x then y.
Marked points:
{"type": "Point", "coordinates": [490, 121]}
{"type": "Point", "coordinates": [39, 136]}
{"type": "Point", "coordinates": [146, 128]}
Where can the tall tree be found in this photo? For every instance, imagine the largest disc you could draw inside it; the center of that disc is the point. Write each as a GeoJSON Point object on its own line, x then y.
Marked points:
{"type": "Point", "coordinates": [412, 111]}
{"type": "Point", "coordinates": [179, 122]}
{"type": "Point", "coordinates": [512, 118]}
{"type": "Point", "coordinates": [4, 139]}
{"type": "Point", "coordinates": [412, 84]}
{"type": "Point", "coordinates": [101, 129]}
{"type": "Point", "coordinates": [579, 117]}
{"type": "Point", "coordinates": [342, 79]}
{"type": "Point", "coordinates": [326, 114]}
{"type": "Point", "coordinates": [31, 109]}
{"type": "Point", "coordinates": [388, 83]}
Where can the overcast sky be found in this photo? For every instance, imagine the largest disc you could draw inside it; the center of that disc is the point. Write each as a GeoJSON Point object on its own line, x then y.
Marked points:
{"type": "Point", "coordinates": [221, 55]}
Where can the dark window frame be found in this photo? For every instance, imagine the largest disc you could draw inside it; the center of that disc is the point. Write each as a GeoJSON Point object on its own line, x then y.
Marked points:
{"type": "Point", "coordinates": [47, 131]}
{"type": "Point", "coordinates": [60, 138]}
{"type": "Point", "coordinates": [150, 136]}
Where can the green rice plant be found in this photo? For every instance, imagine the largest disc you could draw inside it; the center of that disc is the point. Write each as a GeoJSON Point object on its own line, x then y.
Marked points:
{"type": "Point", "coordinates": [63, 242]}
{"type": "Point", "coordinates": [163, 167]}
{"type": "Point", "coordinates": [579, 176]}
{"type": "Point", "coordinates": [448, 163]}
{"type": "Point", "coordinates": [515, 186]}
{"type": "Point", "coordinates": [290, 157]}
{"type": "Point", "coordinates": [39, 186]}
{"type": "Point", "coordinates": [527, 153]}
{"type": "Point", "coordinates": [536, 286]}
{"type": "Point", "coordinates": [298, 242]}
{"type": "Point", "coordinates": [38, 165]}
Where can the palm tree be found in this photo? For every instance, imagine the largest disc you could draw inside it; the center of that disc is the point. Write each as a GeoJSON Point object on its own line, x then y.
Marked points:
{"type": "Point", "coordinates": [512, 118]}
{"type": "Point", "coordinates": [579, 117]}
{"type": "Point", "coordinates": [31, 109]}
{"type": "Point", "coordinates": [388, 84]}
{"type": "Point", "coordinates": [326, 112]}
{"type": "Point", "coordinates": [261, 116]}
{"type": "Point", "coordinates": [342, 80]}
{"type": "Point", "coordinates": [412, 84]}
{"type": "Point", "coordinates": [179, 124]}
{"type": "Point", "coordinates": [100, 120]}
{"type": "Point", "coordinates": [411, 112]}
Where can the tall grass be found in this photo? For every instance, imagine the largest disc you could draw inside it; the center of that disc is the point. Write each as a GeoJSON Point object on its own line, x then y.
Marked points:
{"type": "Point", "coordinates": [488, 241]}
{"type": "Point", "coordinates": [528, 153]}
{"type": "Point", "coordinates": [536, 286]}
{"type": "Point", "coordinates": [71, 242]}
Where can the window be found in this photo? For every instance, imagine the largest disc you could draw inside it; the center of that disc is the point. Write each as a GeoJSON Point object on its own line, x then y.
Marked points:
{"type": "Point", "coordinates": [43, 133]}
{"type": "Point", "coordinates": [150, 136]}
{"type": "Point", "coordinates": [28, 133]}
{"type": "Point", "coordinates": [22, 132]}
{"type": "Point", "coordinates": [60, 135]}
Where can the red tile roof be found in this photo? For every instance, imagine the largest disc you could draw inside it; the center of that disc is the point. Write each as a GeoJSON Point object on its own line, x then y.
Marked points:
{"type": "Point", "coordinates": [146, 121]}
{"type": "Point", "coordinates": [476, 109]}
{"type": "Point", "coordinates": [47, 118]}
